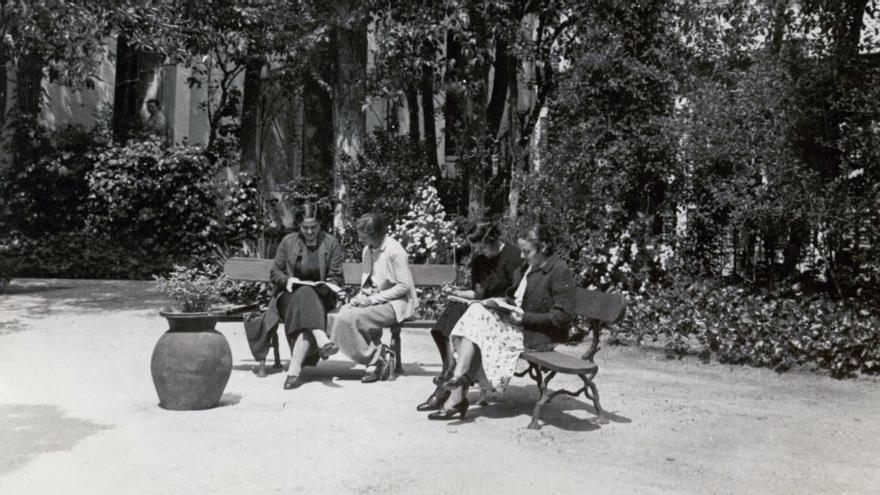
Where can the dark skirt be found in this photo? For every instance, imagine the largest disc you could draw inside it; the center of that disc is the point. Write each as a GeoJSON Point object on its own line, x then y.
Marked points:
{"type": "Point", "coordinates": [450, 316]}
{"type": "Point", "coordinates": [304, 309]}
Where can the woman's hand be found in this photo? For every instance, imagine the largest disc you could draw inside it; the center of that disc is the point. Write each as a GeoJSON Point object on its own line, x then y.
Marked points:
{"type": "Point", "coordinates": [515, 317]}
{"type": "Point", "coordinates": [360, 301]}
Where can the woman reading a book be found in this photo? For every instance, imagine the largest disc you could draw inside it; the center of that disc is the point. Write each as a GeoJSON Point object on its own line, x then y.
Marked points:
{"type": "Point", "coordinates": [493, 264]}
{"type": "Point", "coordinates": [491, 334]}
{"type": "Point", "coordinates": [307, 274]}
{"type": "Point", "coordinates": [387, 296]}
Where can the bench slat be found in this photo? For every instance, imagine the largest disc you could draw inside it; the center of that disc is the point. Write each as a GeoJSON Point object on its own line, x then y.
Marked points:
{"type": "Point", "coordinates": [601, 306]}
{"type": "Point", "coordinates": [257, 270]}
{"type": "Point", "coordinates": [557, 361]}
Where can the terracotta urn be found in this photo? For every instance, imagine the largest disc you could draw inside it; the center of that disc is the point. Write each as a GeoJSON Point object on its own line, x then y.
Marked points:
{"type": "Point", "coordinates": [191, 362]}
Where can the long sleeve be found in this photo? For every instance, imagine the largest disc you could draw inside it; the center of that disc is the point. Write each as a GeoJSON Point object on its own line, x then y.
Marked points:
{"type": "Point", "coordinates": [278, 274]}
{"type": "Point", "coordinates": [335, 273]}
{"type": "Point", "coordinates": [402, 276]}
{"type": "Point", "coordinates": [562, 291]}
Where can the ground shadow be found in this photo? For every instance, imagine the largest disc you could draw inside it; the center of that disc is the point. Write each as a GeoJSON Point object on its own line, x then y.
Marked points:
{"type": "Point", "coordinates": [26, 431]}
{"type": "Point", "coordinates": [229, 400]}
{"type": "Point", "coordinates": [520, 401]}
{"type": "Point", "coordinates": [39, 299]}
{"type": "Point", "coordinates": [14, 290]}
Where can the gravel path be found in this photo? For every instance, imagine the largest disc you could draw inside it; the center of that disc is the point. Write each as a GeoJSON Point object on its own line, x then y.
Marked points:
{"type": "Point", "coordinates": [78, 414]}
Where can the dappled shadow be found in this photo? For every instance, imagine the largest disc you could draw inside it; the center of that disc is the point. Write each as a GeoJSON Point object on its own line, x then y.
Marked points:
{"type": "Point", "coordinates": [14, 289]}
{"type": "Point", "coordinates": [11, 326]}
{"type": "Point", "coordinates": [520, 401]}
{"type": "Point", "coordinates": [26, 431]}
{"type": "Point", "coordinates": [42, 298]}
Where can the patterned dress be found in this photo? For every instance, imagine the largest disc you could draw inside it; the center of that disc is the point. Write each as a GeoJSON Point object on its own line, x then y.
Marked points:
{"type": "Point", "coordinates": [500, 342]}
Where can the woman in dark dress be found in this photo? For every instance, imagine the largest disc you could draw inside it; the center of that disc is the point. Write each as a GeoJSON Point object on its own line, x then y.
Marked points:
{"type": "Point", "coordinates": [492, 269]}
{"type": "Point", "coordinates": [308, 255]}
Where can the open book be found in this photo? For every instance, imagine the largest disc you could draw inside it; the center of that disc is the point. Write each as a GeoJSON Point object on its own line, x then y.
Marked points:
{"type": "Point", "coordinates": [333, 287]}
{"type": "Point", "coordinates": [496, 303]}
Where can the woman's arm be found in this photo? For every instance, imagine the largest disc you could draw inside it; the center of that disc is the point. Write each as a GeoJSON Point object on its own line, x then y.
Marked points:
{"type": "Point", "coordinates": [403, 276]}
{"type": "Point", "coordinates": [278, 274]}
{"type": "Point", "coordinates": [335, 272]}
{"type": "Point", "coordinates": [562, 290]}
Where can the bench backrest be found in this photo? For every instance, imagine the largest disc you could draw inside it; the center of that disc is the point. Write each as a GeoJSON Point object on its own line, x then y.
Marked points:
{"type": "Point", "coordinates": [601, 306]}
{"type": "Point", "coordinates": [257, 270]}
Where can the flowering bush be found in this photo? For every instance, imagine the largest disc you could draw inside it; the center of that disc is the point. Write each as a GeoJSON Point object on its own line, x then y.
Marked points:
{"type": "Point", "coordinates": [190, 289]}
{"type": "Point", "coordinates": [624, 261]}
{"type": "Point", "coordinates": [424, 231]}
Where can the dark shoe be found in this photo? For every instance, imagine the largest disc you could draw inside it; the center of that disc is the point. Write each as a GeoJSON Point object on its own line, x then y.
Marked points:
{"type": "Point", "coordinates": [442, 377]}
{"type": "Point", "coordinates": [435, 401]}
{"type": "Point", "coordinates": [454, 383]}
{"type": "Point", "coordinates": [460, 408]}
{"type": "Point", "coordinates": [293, 382]}
{"type": "Point", "coordinates": [260, 369]}
{"type": "Point", "coordinates": [375, 374]}
{"type": "Point", "coordinates": [328, 350]}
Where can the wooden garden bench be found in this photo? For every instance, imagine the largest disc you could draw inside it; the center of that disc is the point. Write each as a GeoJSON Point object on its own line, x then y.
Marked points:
{"type": "Point", "coordinates": [599, 309]}
{"type": "Point", "coordinates": [257, 270]}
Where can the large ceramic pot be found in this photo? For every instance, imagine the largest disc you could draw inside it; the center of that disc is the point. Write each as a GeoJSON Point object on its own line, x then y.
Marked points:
{"type": "Point", "coordinates": [191, 362]}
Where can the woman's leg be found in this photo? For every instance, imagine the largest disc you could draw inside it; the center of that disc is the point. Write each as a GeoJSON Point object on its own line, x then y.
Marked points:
{"type": "Point", "coordinates": [466, 352]}
{"type": "Point", "coordinates": [301, 347]}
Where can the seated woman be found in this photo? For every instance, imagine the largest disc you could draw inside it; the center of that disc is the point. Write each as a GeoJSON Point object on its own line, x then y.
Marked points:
{"type": "Point", "coordinates": [387, 296]}
{"type": "Point", "coordinates": [308, 255]}
{"type": "Point", "coordinates": [490, 341]}
{"type": "Point", "coordinates": [493, 264]}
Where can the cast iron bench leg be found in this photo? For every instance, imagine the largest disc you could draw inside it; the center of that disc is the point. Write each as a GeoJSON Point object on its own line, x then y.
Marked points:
{"type": "Point", "coordinates": [544, 390]}
{"type": "Point", "coordinates": [592, 393]}
{"type": "Point", "coordinates": [273, 338]}
{"type": "Point", "coordinates": [395, 346]}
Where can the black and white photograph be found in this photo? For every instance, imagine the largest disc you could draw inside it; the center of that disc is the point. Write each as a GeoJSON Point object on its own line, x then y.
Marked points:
{"type": "Point", "coordinates": [439, 247]}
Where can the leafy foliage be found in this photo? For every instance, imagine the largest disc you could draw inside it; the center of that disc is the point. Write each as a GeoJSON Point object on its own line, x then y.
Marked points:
{"type": "Point", "coordinates": [736, 325]}
{"type": "Point", "coordinates": [190, 289]}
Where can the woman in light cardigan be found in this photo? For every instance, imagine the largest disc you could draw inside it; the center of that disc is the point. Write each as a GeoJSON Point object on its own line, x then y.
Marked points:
{"type": "Point", "coordinates": [387, 296]}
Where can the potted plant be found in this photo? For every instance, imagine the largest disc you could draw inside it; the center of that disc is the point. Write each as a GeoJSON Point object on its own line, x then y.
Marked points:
{"type": "Point", "coordinates": [191, 362]}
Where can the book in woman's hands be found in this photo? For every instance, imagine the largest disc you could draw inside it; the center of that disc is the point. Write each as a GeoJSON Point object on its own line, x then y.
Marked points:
{"type": "Point", "coordinates": [296, 281]}
{"type": "Point", "coordinates": [496, 303]}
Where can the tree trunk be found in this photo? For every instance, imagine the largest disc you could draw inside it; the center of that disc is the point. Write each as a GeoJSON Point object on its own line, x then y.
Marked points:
{"type": "Point", "coordinates": [349, 123]}
{"type": "Point", "coordinates": [250, 115]}
{"type": "Point", "coordinates": [29, 86]}
{"type": "Point", "coordinates": [412, 108]}
{"type": "Point", "coordinates": [3, 91]}
{"type": "Point", "coordinates": [427, 88]}
{"type": "Point", "coordinates": [518, 152]}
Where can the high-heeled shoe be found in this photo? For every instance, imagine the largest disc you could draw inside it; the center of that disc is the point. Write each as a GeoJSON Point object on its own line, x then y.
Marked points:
{"type": "Point", "coordinates": [460, 408]}
{"type": "Point", "coordinates": [328, 350]}
{"type": "Point", "coordinates": [455, 382]}
{"type": "Point", "coordinates": [442, 377]}
{"type": "Point", "coordinates": [435, 401]}
{"type": "Point", "coordinates": [292, 382]}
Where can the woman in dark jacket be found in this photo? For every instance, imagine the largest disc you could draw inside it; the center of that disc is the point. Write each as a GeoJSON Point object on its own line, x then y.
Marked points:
{"type": "Point", "coordinates": [493, 265]}
{"type": "Point", "coordinates": [309, 255]}
{"type": "Point", "coordinates": [540, 308]}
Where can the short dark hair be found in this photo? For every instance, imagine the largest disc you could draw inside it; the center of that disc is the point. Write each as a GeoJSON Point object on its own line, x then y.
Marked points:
{"type": "Point", "coordinates": [308, 211]}
{"type": "Point", "coordinates": [372, 224]}
{"type": "Point", "coordinates": [539, 234]}
{"type": "Point", "coordinates": [484, 231]}
{"type": "Point", "coordinates": [154, 100]}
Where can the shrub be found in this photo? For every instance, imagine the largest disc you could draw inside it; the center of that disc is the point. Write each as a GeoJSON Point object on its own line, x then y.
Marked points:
{"type": "Point", "coordinates": [738, 326]}
{"type": "Point", "coordinates": [45, 190]}
{"type": "Point", "coordinates": [163, 201]}
{"type": "Point", "coordinates": [385, 176]}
